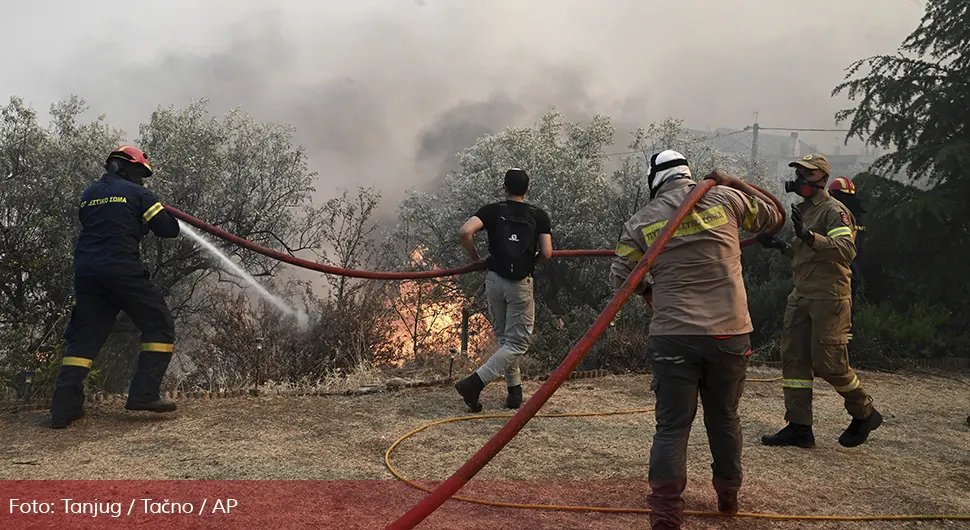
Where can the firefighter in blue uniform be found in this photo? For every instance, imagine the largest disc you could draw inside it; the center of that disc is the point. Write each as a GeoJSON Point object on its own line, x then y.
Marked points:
{"type": "Point", "coordinates": [109, 277]}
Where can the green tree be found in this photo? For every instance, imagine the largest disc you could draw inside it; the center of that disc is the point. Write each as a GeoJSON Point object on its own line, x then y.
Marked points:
{"type": "Point", "coordinates": [43, 170]}
{"type": "Point", "coordinates": [916, 104]}
{"type": "Point", "coordinates": [244, 176]}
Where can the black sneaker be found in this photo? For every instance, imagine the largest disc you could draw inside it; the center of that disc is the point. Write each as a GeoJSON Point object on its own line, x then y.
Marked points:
{"type": "Point", "coordinates": [858, 431]}
{"type": "Point", "coordinates": [514, 400]}
{"type": "Point", "coordinates": [793, 434]}
{"type": "Point", "coordinates": [470, 389]}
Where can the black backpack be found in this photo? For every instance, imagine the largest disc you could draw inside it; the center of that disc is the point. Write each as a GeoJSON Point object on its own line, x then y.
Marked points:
{"type": "Point", "coordinates": [517, 242]}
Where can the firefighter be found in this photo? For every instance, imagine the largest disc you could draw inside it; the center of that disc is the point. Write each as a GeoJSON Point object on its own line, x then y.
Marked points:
{"type": "Point", "coordinates": [109, 277]}
{"type": "Point", "coordinates": [699, 334]}
{"type": "Point", "coordinates": [843, 190]}
{"type": "Point", "coordinates": [818, 316]}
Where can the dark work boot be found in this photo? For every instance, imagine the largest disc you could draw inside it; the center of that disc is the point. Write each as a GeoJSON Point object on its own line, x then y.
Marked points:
{"type": "Point", "coordinates": [727, 494]}
{"type": "Point", "coordinates": [61, 422]}
{"type": "Point", "coordinates": [144, 392]}
{"type": "Point", "coordinates": [666, 502]}
{"type": "Point", "coordinates": [858, 431]}
{"type": "Point", "coordinates": [67, 404]}
{"type": "Point", "coordinates": [793, 434]}
{"type": "Point", "coordinates": [514, 400]}
{"type": "Point", "coordinates": [470, 389]}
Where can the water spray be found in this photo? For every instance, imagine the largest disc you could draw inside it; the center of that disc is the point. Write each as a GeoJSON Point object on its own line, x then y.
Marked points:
{"type": "Point", "coordinates": [302, 319]}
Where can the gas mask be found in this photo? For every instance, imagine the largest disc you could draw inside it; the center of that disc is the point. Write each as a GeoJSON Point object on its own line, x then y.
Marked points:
{"type": "Point", "coordinates": [802, 187]}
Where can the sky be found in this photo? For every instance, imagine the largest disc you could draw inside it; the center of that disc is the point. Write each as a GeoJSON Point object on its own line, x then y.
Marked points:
{"type": "Point", "coordinates": [385, 92]}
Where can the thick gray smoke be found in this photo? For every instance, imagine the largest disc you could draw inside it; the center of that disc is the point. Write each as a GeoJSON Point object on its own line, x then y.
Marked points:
{"type": "Point", "coordinates": [385, 92]}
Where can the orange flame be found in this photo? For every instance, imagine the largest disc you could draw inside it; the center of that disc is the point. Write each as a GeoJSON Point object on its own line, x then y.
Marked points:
{"type": "Point", "coordinates": [429, 315]}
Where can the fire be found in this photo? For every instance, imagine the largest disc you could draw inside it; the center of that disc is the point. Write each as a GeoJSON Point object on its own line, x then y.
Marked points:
{"type": "Point", "coordinates": [428, 315]}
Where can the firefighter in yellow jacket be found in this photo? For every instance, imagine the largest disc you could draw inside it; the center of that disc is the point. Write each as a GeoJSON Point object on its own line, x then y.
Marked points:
{"type": "Point", "coordinates": [818, 316]}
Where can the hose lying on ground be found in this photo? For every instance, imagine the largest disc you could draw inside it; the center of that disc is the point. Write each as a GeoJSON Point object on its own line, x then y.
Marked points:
{"type": "Point", "coordinates": [624, 509]}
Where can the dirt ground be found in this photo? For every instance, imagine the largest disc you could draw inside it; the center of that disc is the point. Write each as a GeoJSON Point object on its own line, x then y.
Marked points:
{"type": "Point", "coordinates": [918, 462]}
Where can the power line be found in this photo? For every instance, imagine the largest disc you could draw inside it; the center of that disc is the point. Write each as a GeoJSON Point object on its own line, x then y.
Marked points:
{"type": "Point", "coordinates": [745, 129]}
{"type": "Point", "coordinates": [795, 129]}
{"type": "Point", "coordinates": [699, 140]}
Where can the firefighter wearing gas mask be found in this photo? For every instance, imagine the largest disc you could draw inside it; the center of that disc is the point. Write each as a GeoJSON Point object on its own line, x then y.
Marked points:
{"type": "Point", "coordinates": [109, 277]}
{"type": "Point", "coordinates": [818, 315]}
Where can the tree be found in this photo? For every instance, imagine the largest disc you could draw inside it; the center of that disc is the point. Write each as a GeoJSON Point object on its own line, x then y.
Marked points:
{"type": "Point", "coordinates": [917, 102]}
{"type": "Point", "coordinates": [42, 173]}
{"type": "Point", "coordinates": [349, 231]}
{"type": "Point", "coordinates": [244, 176]}
{"type": "Point", "coordinates": [566, 164]}
{"type": "Point", "coordinates": [359, 329]}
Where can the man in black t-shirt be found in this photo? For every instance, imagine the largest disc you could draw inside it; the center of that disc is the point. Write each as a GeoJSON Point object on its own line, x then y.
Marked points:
{"type": "Point", "coordinates": [518, 236]}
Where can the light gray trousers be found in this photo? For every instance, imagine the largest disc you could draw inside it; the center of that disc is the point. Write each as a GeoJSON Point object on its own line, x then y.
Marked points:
{"type": "Point", "coordinates": [511, 307]}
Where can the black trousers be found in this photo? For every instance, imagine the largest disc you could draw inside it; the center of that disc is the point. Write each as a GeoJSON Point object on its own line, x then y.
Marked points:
{"type": "Point", "coordinates": [683, 367]}
{"type": "Point", "coordinates": [98, 300]}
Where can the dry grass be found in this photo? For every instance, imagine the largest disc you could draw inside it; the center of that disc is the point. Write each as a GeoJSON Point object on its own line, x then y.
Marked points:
{"type": "Point", "coordinates": [917, 462]}
{"type": "Point", "coordinates": [363, 374]}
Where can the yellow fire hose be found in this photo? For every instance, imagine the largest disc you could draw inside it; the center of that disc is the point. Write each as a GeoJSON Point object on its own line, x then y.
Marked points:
{"type": "Point", "coordinates": [575, 508]}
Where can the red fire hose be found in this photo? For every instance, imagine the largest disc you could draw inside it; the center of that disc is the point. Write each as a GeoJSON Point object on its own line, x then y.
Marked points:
{"type": "Point", "coordinates": [529, 409]}
{"type": "Point", "coordinates": [329, 269]}
{"type": "Point", "coordinates": [386, 275]}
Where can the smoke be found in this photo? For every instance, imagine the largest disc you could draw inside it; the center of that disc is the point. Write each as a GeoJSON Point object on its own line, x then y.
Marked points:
{"type": "Point", "coordinates": [386, 93]}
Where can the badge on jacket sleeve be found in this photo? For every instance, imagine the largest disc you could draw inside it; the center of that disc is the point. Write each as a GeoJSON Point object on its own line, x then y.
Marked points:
{"type": "Point", "coordinates": [845, 219]}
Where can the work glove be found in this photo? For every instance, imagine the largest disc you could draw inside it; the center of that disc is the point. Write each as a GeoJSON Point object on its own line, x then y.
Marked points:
{"type": "Point", "coordinates": [722, 179]}
{"type": "Point", "coordinates": [770, 241]}
{"type": "Point", "coordinates": [803, 233]}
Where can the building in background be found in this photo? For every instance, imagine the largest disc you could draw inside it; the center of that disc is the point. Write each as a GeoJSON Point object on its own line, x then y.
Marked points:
{"type": "Point", "coordinates": [776, 151]}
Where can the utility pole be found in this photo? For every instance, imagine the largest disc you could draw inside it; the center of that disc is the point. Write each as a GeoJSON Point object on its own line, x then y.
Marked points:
{"type": "Point", "coordinates": [754, 146]}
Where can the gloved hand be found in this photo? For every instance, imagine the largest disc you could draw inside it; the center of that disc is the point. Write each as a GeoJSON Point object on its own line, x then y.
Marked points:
{"type": "Point", "coordinates": [722, 179]}
{"type": "Point", "coordinates": [804, 234]}
{"type": "Point", "coordinates": [770, 241]}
